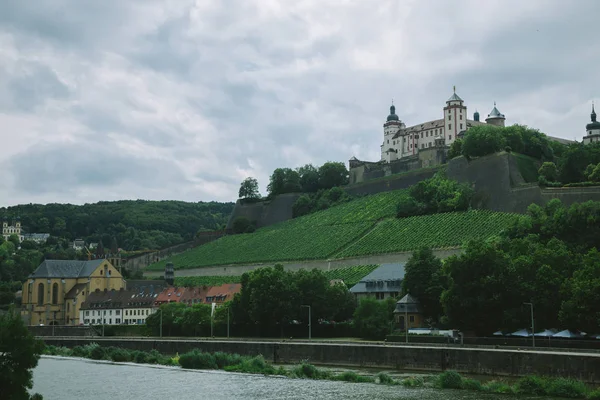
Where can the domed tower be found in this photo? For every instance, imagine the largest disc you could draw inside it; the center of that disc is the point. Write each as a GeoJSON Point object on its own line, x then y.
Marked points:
{"type": "Point", "coordinates": [391, 126]}
{"type": "Point", "coordinates": [592, 129]}
{"type": "Point", "coordinates": [495, 117]}
{"type": "Point", "coordinates": [455, 118]}
{"type": "Point", "coordinates": [476, 116]}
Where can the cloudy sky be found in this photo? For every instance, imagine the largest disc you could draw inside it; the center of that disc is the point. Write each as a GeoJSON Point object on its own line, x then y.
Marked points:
{"type": "Point", "coordinates": [113, 99]}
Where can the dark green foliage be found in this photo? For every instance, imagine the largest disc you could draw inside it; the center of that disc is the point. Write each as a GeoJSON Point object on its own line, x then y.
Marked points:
{"type": "Point", "coordinates": [482, 140]}
{"type": "Point", "coordinates": [548, 171]}
{"type": "Point", "coordinates": [243, 225]}
{"type": "Point", "coordinates": [532, 385]}
{"type": "Point", "coordinates": [569, 388]}
{"type": "Point", "coordinates": [351, 376]}
{"type": "Point", "coordinates": [384, 379]}
{"type": "Point", "coordinates": [572, 164]}
{"type": "Point", "coordinates": [119, 355]}
{"type": "Point", "coordinates": [594, 395]}
{"type": "Point", "coordinates": [455, 149]}
{"type": "Point", "coordinates": [283, 180]}
{"type": "Point", "coordinates": [98, 353]}
{"type": "Point", "coordinates": [308, 371]}
{"type": "Point", "coordinates": [19, 355]}
{"type": "Point", "coordinates": [435, 195]}
{"type": "Point", "coordinates": [528, 167]}
{"type": "Point", "coordinates": [322, 200]}
{"type": "Point", "coordinates": [472, 384]}
{"type": "Point", "coordinates": [372, 319]}
{"type": "Point", "coordinates": [196, 359]}
{"type": "Point", "coordinates": [498, 387]}
{"type": "Point", "coordinates": [307, 179]}
{"type": "Point", "coordinates": [249, 189]}
{"type": "Point", "coordinates": [449, 380]}
{"type": "Point", "coordinates": [332, 174]}
{"type": "Point", "coordinates": [424, 280]}
{"type": "Point", "coordinates": [413, 381]}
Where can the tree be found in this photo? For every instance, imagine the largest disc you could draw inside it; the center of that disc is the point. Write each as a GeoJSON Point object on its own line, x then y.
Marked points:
{"type": "Point", "coordinates": [243, 225]}
{"type": "Point", "coordinates": [371, 319]}
{"type": "Point", "coordinates": [575, 159]}
{"type": "Point", "coordinates": [333, 174]}
{"type": "Point", "coordinates": [302, 206]}
{"type": "Point", "coordinates": [548, 171]}
{"type": "Point", "coordinates": [249, 189]}
{"type": "Point", "coordinates": [482, 140]}
{"type": "Point", "coordinates": [592, 172]}
{"type": "Point", "coordinates": [477, 291]}
{"type": "Point", "coordinates": [455, 149]}
{"type": "Point", "coordinates": [309, 178]}
{"type": "Point", "coordinates": [284, 180]}
{"type": "Point", "coordinates": [423, 279]}
{"type": "Point", "coordinates": [19, 355]}
{"type": "Point", "coordinates": [114, 248]}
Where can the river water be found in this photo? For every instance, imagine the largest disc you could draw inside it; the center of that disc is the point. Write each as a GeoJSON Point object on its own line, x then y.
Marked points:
{"type": "Point", "coordinates": [69, 378]}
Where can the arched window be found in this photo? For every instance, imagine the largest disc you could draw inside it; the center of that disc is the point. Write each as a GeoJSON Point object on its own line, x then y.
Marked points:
{"type": "Point", "coordinates": [41, 294]}
{"type": "Point", "coordinates": [55, 293]}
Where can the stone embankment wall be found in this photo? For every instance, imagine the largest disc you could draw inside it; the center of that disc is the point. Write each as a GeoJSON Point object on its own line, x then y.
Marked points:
{"type": "Point", "coordinates": [582, 366]}
{"type": "Point", "coordinates": [323, 265]}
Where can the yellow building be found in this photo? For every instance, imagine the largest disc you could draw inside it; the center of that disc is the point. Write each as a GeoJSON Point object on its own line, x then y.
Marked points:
{"type": "Point", "coordinates": [54, 292]}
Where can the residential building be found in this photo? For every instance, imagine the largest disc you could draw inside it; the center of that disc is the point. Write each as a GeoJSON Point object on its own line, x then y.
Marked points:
{"type": "Point", "coordinates": [138, 307]}
{"type": "Point", "coordinates": [170, 295]}
{"type": "Point", "coordinates": [592, 129]}
{"type": "Point", "coordinates": [36, 237]}
{"type": "Point", "coordinates": [104, 307]}
{"type": "Point", "coordinates": [145, 286]}
{"type": "Point", "coordinates": [195, 295]}
{"type": "Point", "coordinates": [78, 244]}
{"type": "Point", "coordinates": [385, 281]}
{"type": "Point", "coordinates": [12, 229]}
{"type": "Point", "coordinates": [223, 293]}
{"type": "Point", "coordinates": [55, 291]}
{"type": "Point", "coordinates": [409, 308]}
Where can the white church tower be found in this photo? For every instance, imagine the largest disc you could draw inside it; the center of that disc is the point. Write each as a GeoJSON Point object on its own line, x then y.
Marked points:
{"type": "Point", "coordinates": [390, 128]}
{"type": "Point", "coordinates": [455, 118]}
{"type": "Point", "coordinates": [592, 129]}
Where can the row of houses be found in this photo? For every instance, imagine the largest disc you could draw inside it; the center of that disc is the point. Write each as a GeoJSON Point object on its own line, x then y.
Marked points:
{"type": "Point", "coordinates": [133, 306]}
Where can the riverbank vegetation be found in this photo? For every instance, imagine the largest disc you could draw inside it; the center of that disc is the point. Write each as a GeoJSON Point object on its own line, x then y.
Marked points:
{"type": "Point", "coordinates": [19, 355]}
{"type": "Point", "coordinates": [196, 359]}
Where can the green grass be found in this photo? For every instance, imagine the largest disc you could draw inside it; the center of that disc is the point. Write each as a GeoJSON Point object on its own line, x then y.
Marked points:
{"type": "Point", "coordinates": [350, 275]}
{"type": "Point", "coordinates": [435, 231]}
{"type": "Point", "coordinates": [528, 167]}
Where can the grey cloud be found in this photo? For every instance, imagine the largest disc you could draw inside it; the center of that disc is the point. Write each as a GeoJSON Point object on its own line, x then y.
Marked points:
{"type": "Point", "coordinates": [56, 169]}
{"type": "Point", "coordinates": [33, 84]}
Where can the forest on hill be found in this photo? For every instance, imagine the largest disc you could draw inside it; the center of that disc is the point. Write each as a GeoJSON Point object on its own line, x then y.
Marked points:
{"type": "Point", "coordinates": [135, 224]}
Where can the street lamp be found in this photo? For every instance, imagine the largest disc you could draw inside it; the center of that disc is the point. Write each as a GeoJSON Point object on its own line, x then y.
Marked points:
{"type": "Point", "coordinates": [309, 322]}
{"type": "Point", "coordinates": [532, 324]}
{"type": "Point", "coordinates": [160, 328]}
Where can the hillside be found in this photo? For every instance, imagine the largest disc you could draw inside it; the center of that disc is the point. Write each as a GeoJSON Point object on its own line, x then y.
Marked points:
{"type": "Point", "coordinates": [364, 226]}
{"type": "Point", "coordinates": [136, 224]}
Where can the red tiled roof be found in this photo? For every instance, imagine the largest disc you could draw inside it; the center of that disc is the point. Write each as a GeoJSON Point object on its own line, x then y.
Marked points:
{"type": "Point", "coordinates": [222, 293]}
{"type": "Point", "coordinates": [194, 295]}
{"type": "Point", "coordinates": [170, 295]}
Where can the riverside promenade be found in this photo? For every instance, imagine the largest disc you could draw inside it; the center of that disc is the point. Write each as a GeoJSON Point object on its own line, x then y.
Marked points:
{"type": "Point", "coordinates": [514, 362]}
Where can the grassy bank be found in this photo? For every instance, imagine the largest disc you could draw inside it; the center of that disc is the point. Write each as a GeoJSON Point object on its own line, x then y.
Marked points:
{"type": "Point", "coordinates": [196, 359]}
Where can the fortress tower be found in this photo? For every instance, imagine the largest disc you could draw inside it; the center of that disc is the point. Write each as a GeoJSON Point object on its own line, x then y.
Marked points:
{"type": "Point", "coordinates": [592, 129]}
{"type": "Point", "coordinates": [455, 118]}
{"type": "Point", "coordinates": [495, 117]}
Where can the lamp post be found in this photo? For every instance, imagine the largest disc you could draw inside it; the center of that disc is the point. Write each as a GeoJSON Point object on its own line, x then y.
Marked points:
{"type": "Point", "coordinates": [160, 326]}
{"type": "Point", "coordinates": [227, 322]}
{"type": "Point", "coordinates": [532, 323]}
{"type": "Point", "coordinates": [406, 321]}
{"type": "Point", "coordinates": [309, 322]}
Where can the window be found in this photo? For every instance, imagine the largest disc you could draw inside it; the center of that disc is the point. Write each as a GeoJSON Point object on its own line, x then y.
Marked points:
{"type": "Point", "coordinates": [421, 135]}
{"type": "Point", "coordinates": [411, 318]}
{"type": "Point", "coordinates": [449, 117]}
{"type": "Point", "coordinates": [388, 142]}
{"type": "Point", "coordinates": [41, 294]}
{"type": "Point", "coordinates": [118, 321]}
{"type": "Point", "coordinates": [55, 293]}
{"type": "Point", "coordinates": [118, 312]}
{"type": "Point", "coordinates": [449, 137]}
{"type": "Point", "coordinates": [449, 126]}
{"type": "Point", "coordinates": [87, 313]}
{"type": "Point", "coordinates": [461, 115]}
{"type": "Point", "coordinates": [110, 321]}
{"type": "Point", "coordinates": [461, 125]}
{"type": "Point", "coordinates": [379, 295]}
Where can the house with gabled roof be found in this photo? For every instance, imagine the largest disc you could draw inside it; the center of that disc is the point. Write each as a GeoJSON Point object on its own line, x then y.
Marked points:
{"type": "Point", "coordinates": [54, 292]}
{"type": "Point", "coordinates": [385, 281]}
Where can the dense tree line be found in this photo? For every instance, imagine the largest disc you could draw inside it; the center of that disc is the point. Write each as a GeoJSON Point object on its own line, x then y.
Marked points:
{"type": "Point", "coordinates": [549, 258]}
{"type": "Point", "coordinates": [321, 200]}
{"type": "Point", "coordinates": [135, 225]}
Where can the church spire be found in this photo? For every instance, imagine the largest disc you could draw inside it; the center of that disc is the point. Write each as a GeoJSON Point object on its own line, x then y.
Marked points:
{"type": "Point", "coordinates": [593, 115]}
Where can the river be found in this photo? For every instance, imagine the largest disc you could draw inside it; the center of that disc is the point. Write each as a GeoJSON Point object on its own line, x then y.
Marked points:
{"type": "Point", "coordinates": [69, 378]}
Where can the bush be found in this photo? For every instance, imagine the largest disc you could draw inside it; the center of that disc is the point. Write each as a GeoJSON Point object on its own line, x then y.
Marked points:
{"type": "Point", "coordinates": [449, 380]}
{"type": "Point", "coordinates": [307, 371]}
{"type": "Point", "coordinates": [483, 140]}
{"type": "Point", "coordinates": [568, 388]}
{"type": "Point", "coordinates": [224, 359]}
{"type": "Point", "coordinates": [595, 395]}
{"type": "Point", "coordinates": [80, 351]}
{"type": "Point", "coordinates": [472, 384]}
{"type": "Point", "coordinates": [119, 355]}
{"type": "Point", "coordinates": [498, 387]}
{"type": "Point", "coordinates": [532, 385]}
{"type": "Point", "coordinates": [97, 353]}
{"type": "Point", "coordinates": [196, 359]}
{"type": "Point", "coordinates": [351, 376]}
{"type": "Point", "coordinates": [140, 357]}
{"type": "Point", "coordinates": [384, 379]}
{"type": "Point", "coordinates": [415, 381]}
{"type": "Point", "coordinates": [508, 149]}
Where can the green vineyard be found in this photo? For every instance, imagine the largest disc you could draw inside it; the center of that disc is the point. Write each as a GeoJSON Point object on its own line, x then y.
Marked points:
{"type": "Point", "coordinates": [350, 275]}
{"type": "Point", "coordinates": [315, 236]}
{"type": "Point", "coordinates": [434, 231]}
{"type": "Point", "coordinates": [362, 227]}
